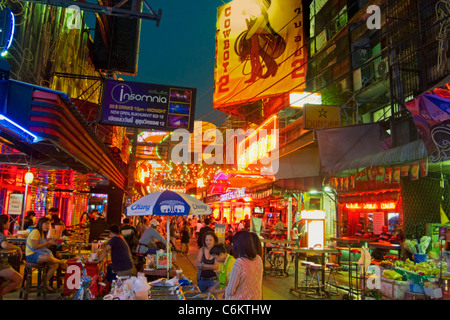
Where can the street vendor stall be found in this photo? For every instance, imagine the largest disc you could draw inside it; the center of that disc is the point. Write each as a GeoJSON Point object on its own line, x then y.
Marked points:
{"type": "Point", "coordinates": [167, 203]}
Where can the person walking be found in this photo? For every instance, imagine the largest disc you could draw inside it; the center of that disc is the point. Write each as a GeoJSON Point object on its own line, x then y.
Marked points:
{"type": "Point", "coordinates": [185, 237]}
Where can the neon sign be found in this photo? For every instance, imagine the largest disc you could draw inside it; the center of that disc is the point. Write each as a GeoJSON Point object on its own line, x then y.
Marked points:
{"type": "Point", "coordinates": [235, 194]}
{"type": "Point", "coordinates": [371, 206]}
{"type": "Point", "coordinates": [7, 14]}
{"type": "Point", "coordinates": [388, 205]}
{"type": "Point", "coordinates": [260, 144]}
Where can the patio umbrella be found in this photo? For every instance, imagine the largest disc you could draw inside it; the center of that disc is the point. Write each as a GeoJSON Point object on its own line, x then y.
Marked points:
{"type": "Point", "coordinates": [167, 203]}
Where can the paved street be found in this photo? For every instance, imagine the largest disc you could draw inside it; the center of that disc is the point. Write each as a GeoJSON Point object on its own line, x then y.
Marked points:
{"type": "Point", "coordinates": [274, 287]}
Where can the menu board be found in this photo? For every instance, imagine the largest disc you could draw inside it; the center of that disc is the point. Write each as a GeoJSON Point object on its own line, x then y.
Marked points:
{"type": "Point", "coordinates": [219, 230]}
{"type": "Point", "coordinates": [150, 106]}
{"type": "Point", "coordinates": [15, 204]}
{"type": "Point", "coordinates": [378, 222]}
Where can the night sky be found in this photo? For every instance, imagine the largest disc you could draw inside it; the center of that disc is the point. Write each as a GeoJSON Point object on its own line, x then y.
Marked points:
{"type": "Point", "coordinates": [181, 50]}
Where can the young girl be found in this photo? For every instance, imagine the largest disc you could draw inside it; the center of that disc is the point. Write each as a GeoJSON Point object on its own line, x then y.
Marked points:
{"type": "Point", "coordinates": [6, 271]}
{"type": "Point", "coordinates": [226, 262]}
{"type": "Point", "coordinates": [37, 249]}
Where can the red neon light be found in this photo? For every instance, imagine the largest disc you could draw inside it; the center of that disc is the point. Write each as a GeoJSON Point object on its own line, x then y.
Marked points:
{"type": "Point", "coordinates": [371, 206]}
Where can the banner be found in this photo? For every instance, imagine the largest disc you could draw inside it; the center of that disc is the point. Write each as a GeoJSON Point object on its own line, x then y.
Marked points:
{"type": "Point", "coordinates": [431, 116]}
{"type": "Point", "coordinates": [260, 50]}
{"type": "Point", "coordinates": [145, 105]}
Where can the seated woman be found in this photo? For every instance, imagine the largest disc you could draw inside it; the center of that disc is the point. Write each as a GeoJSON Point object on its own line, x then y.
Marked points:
{"type": "Point", "coordinates": [6, 271]}
{"type": "Point", "coordinates": [37, 249]}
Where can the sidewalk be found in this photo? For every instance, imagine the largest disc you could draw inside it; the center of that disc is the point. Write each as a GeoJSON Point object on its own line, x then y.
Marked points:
{"type": "Point", "coordinates": [274, 287]}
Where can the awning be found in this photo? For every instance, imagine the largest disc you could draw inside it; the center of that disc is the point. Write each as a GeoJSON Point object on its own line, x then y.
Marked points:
{"type": "Point", "coordinates": [407, 153]}
{"type": "Point", "coordinates": [62, 132]}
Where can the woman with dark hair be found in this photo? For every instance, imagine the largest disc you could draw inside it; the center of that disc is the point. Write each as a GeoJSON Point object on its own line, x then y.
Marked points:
{"type": "Point", "coordinates": [246, 277]}
{"type": "Point", "coordinates": [37, 249]}
{"type": "Point", "coordinates": [6, 270]}
{"type": "Point", "coordinates": [206, 264]}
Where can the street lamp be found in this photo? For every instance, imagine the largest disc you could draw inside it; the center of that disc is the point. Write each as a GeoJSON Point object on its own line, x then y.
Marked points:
{"type": "Point", "coordinates": [28, 179]}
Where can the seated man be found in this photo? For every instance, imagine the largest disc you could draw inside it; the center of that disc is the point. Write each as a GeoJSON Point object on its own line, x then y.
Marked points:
{"type": "Point", "coordinates": [385, 235]}
{"type": "Point", "coordinates": [121, 261]}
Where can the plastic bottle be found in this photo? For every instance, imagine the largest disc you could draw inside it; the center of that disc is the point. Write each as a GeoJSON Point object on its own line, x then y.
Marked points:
{"type": "Point", "coordinates": [16, 228]}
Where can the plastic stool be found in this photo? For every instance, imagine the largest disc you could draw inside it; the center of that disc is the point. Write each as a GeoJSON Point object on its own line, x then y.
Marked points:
{"type": "Point", "coordinates": [314, 284]}
{"type": "Point", "coordinates": [331, 282]}
{"type": "Point", "coordinates": [27, 283]}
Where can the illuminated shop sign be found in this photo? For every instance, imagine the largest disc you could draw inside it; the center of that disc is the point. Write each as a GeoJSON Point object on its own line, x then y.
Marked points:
{"type": "Point", "coordinates": [146, 105]}
{"type": "Point", "coordinates": [299, 99]}
{"type": "Point", "coordinates": [259, 144]}
{"type": "Point", "coordinates": [371, 206]}
{"type": "Point", "coordinates": [235, 194]}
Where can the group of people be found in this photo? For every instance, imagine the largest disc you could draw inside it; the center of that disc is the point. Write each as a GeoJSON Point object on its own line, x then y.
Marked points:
{"type": "Point", "coordinates": [37, 250]}
{"type": "Point", "coordinates": [232, 276]}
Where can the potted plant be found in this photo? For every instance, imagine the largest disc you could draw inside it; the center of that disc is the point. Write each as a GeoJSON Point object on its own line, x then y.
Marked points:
{"type": "Point", "coordinates": [371, 294]}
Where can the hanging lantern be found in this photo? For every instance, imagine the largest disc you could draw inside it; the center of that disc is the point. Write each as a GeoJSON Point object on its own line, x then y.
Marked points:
{"type": "Point", "coordinates": [28, 177]}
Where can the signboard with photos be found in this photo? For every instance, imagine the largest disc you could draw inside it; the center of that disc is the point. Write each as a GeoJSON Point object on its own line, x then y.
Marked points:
{"type": "Point", "coordinates": [150, 106]}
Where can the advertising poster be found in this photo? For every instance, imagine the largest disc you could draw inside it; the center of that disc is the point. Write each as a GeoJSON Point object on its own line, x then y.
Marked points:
{"type": "Point", "coordinates": [219, 230]}
{"type": "Point", "coordinates": [255, 226]}
{"type": "Point", "coordinates": [378, 222]}
{"type": "Point", "coordinates": [15, 204]}
{"type": "Point", "coordinates": [260, 50]}
{"type": "Point", "coordinates": [144, 105]}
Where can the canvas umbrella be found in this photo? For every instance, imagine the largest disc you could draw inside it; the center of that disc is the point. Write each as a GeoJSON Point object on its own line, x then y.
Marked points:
{"type": "Point", "coordinates": [167, 203]}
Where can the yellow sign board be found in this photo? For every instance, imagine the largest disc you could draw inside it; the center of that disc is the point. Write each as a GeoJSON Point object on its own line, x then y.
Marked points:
{"type": "Point", "coordinates": [319, 116]}
{"type": "Point", "coordinates": [260, 50]}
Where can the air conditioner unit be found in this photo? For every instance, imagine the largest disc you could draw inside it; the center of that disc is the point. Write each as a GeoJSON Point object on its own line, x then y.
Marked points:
{"type": "Point", "coordinates": [381, 69]}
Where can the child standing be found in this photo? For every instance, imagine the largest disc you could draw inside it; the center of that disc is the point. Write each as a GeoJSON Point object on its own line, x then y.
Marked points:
{"type": "Point", "coordinates": [226, 262]}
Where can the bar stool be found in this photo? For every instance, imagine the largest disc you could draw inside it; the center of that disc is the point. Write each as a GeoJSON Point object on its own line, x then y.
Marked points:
{"type": "Point", "coordinates": [27, 283]}
{"type": "Point", "coordinates": [314, 288]}
{"type": "Point", "coordinates": [331, 281]}
{"type": "Point", "coordinates": [278, 262]}
{"type": "Point", "coordinates": [306, 275]}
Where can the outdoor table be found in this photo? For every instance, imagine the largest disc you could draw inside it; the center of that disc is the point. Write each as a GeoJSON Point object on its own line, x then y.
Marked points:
{"type": "Point", "coordinates": [75, 244]}
{"type": "Point", "coordinates": [386, 245]}
{"type": "Point", "coordinates": [17, 240]}
{"type": "Point", "coordinates": [349, 241]}
{"type": "Point", "coordinates": [277, 242]}
{"type": "Point", "coordinates": [155, 274]}
{"type": "Point", "coordinates": [7, 253]}
{"type": "Point", "coordinates": [322, 252]}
